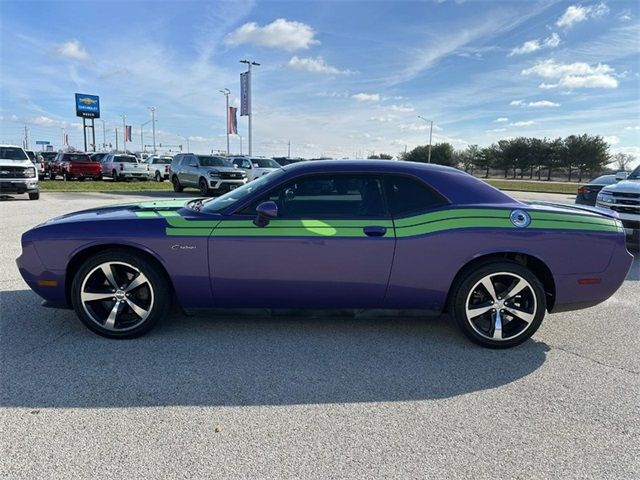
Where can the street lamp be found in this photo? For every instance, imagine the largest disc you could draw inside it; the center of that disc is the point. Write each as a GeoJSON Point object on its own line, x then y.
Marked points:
{"type": "Point", "coordinates": [249, 95]}
{"type": "Point", "coordinates": [226, 92]}
{"type": "Point", "coordinates": [142, 135]}
{"type": "Point", "coordinates": [430, 122]}
{"type": "Point", "coordinates": [153, 119]}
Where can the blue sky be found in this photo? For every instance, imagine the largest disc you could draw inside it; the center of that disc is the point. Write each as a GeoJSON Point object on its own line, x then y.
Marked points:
{"type": "Point", "coordinates": [336, 78]}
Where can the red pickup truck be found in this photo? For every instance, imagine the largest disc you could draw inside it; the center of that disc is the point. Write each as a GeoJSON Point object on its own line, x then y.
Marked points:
{"type": "Point", "coordinates": [75, 165]}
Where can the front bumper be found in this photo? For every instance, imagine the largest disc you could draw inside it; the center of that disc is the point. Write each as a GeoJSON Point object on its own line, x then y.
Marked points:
{"type": "Point", "coordinates": [48, 284]}
{"type": "Point", "coordinates": [27, 185]}
{"type": "Point", "coordinates": [225, 185]}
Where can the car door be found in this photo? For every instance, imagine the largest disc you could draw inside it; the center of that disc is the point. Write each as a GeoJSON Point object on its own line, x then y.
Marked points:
{"type": "Point", "coordinates": [191, 169]}
{"type": "Point", "coordinates": [331, 246]}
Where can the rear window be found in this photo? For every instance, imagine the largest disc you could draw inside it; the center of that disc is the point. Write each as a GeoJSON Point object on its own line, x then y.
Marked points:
{"type": "Point", "coordinates": [12, 153]}
{"type": "Point", "coordinates": [264, 163]}
{"type": "Point", "coordinates": [163, 161]}
{"type": "Point", "coordinates": [604, 180]}
{"type": "Point", "coordinates": [76, 157]}
{"type": "Point", "coordinates": [206, 161]}
{"type": "Point", "coordinates": [405, 195]}
{"type": "Point", "coordinates": [125, 159]}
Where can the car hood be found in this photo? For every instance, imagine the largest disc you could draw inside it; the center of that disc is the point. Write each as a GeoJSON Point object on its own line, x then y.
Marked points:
{"type": "Point", "coordinates": [625, 186]}
{"type": "Point", "coordinates": [222, 169]}
{"type": "Point", "coordinates": [15, 163]}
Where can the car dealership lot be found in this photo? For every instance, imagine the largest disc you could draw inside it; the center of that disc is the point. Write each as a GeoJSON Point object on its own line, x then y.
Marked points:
{"type": "Point", "coordinates": [309, 397]}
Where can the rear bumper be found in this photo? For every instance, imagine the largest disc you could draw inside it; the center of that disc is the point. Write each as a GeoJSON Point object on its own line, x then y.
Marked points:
{"type": "Point", "coordinates": [29, 185]}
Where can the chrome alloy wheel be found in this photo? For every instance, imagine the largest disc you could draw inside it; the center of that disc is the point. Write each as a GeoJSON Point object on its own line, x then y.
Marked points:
{"type": "Point", "coordinates": [117, 296]}
{"type": "Point", "coordinates": [501, 306]}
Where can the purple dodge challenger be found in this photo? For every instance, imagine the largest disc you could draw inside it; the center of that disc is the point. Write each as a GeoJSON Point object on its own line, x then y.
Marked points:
{"type": "Point", "coordinates": [333, 234]}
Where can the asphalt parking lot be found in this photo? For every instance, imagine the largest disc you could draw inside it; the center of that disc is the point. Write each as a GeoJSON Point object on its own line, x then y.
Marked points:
{"type": "Point", "coordinates": [232, 396]}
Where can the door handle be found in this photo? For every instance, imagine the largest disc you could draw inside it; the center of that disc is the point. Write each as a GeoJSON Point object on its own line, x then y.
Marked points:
{"type": "Point", "coordinates": [374, 231]}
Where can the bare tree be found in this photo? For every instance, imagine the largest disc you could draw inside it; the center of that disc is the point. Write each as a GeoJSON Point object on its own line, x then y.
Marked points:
{"type": "Point", "coordinates": [621, 161]}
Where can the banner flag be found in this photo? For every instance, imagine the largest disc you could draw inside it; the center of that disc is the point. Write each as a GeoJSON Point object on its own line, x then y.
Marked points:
{"type": "Point", "coordinates": [127, 133]}
{"type": "Point", "coordinates": [244, 94]}
{"type": "Point", "coordinates": [232, 127]}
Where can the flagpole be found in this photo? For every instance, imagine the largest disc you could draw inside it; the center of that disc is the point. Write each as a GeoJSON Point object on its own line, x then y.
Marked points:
{"type": "Point", "coordinates": [124, 132]}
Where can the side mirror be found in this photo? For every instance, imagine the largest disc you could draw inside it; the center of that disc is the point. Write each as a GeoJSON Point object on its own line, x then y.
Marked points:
{"type": "Point", "coordinates": [621, 175]}
{"type": "Point", "coordinates": [266, 212]}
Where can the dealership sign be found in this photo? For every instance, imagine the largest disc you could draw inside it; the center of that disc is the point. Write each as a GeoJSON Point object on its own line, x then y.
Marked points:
{"type": "Point", "coordinates": [87, 106]}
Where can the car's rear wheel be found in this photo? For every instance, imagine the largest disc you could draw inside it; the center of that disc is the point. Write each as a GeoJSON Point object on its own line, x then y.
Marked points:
{"type": "Point", "coordinates": [175, 182]}
{"type": "Point", "coordinates": [52, 175]}
{"type": "Point", "coordinates": [119, 294]}
{"type": "Point", "coordinates": [114, 176]}
{"type": "Point", "coordinates": [203, 186]}
{"type": "Point", "coordinates": [499, 305]}
{"type": "Point", "coordinates": [158, 177]}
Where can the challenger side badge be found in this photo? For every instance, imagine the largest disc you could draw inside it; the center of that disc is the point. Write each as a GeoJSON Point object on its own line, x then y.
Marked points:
{"type": "Point", "coordinates": [520, 218]}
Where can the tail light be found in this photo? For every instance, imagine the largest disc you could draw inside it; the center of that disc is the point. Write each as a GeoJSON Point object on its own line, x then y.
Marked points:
{"type": "Point", "coordinates": [121, 166]}
{"type": "Point", "coordinates": [582, 190]}
{"type": "Point", "coordinates": [42, 165]}
{"type": "Point", "coordinates": [166, 169]}
{"type": "Point", "coordinates": [147, 167]}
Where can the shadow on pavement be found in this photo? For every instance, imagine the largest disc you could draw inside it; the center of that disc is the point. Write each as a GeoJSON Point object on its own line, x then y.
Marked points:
{"type": "Point", "coordinates": [49, 359]}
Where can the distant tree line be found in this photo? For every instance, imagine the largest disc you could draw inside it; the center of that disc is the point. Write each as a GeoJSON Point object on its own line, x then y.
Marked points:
{"type": "Point", "coordinates": [574, 155]}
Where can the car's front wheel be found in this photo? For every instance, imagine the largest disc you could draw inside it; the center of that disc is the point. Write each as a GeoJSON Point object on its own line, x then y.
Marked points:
{"type": "Point", "coordinates": [203, 186]}
{"type": "Point", "coordinates": [499, 305]}
{"type": "Point", "coordinates": [176, 184]}
{"type": "Point", "coordinates": [119, 294]}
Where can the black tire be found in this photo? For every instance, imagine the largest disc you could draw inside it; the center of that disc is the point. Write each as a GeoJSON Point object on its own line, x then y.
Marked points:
{"type": "Point", "coordinates": [203, 187]}
{"type": "Point", "coordinates": [34, 196]}
{"type": "Point", "coordinates": [52, 176]}
{"type": "Point", "coordinates": [157, 283]}
{"type": "Point", "coordinates": [97, 179]}
{"type": "Point", "coordinates": [81, 179]}
{"type": "Point", "coordinates": [65, 176]}
{"type": "Point", "coordinates": [114, 176]}
{"type": "Point", "coordinates": [158, 177]}
{"type": "Point", "coordinates": [176, 184]}
{"type": "Point", "coordinates": [513, 329]}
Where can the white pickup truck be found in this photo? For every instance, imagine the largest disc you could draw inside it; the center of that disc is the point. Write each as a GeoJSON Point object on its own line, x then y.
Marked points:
{"type": "Point", "coordinates": [624, 197]}
{"type": "Point", "coordinates": [123, 167]}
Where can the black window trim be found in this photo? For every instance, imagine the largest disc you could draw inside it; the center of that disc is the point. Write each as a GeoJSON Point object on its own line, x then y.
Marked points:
{"type": "Point", "coordinates": [444, 200]}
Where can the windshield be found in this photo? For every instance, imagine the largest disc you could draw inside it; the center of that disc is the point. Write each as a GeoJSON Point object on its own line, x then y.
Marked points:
{"type": "Point", "coordinates": [12, 153]}
{"type": "Point", "coordinates": [213, 161]}
{"type": "Point", "coordinates": [264, 163]}
{"type": "Point", "coordinates": [635, 175]}
{"type": "Point", "coordinates": [218, 204]}
{"type": "Point", "coordinates": [77, 158]}
{"type": "Point", "coordinates": [123, 159]}
{"type": "Point", "coordinates": [32, 155]}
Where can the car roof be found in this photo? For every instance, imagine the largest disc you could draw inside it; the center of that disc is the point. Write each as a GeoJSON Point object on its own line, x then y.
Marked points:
{"type": "Point", "coordinates": [387, 166]}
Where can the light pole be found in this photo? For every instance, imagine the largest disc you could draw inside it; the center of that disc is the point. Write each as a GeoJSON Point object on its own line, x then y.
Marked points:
{"type": "Point", "coordinates": [142, 134]}
{"type": "Point", "coordinates": [226, 92]}
{"type": "Point", "coordinates": [104, 137]}
{"type": "Point", "coordinates": [124, 133]}
{"type": "Point", "coordinates": [249, 64]}
{"type": "Point", "coordinates": [430, 122]}
{"type": "Point", "coordinates": [153, 124]}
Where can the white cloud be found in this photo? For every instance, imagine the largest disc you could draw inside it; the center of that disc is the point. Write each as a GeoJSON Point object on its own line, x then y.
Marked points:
{"type": "Point", "coordinates": [44, 121]}
{"type": "Point", "coordinates": [534, 45]}
{"type": "Point", "coordinates": [577, 13]}
{"type": "Point", "coordinates": [402, 108]}
{"type": "Point", "coordinates": [383, 118]}
{"type": "Point", "coordinates": [199, 139]}
{"type": "Point", "coordinates": [516, 103]}
{"type": "Point", "coordinates": [634, 127]}
{"type": "Point", "coordinates": [543, 104]}
{"type": "Point", "coordinates": [612, 140]}
{"type": "Point", "coordinates": [523, 123]}
{"type": "Point", "coordinates": [574, 75]}
{"type": "Point", "coordinates": [547, 86]}
{"type": "Point", "coordinates": [366, 97]}
{"type": "Point", "coordinates": [501, 119]}
{"type": "Point", "coordinates": [314, 65]}
{"type": "Point", "coordinates": [496, 130]}
{"type": "Point", "coordinates": [72, 49]}
{"type": "Point", "coordinates": [281, 34]}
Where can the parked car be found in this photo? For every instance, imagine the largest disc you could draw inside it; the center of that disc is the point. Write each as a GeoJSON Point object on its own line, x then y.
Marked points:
{"type": "Point", "coordinates": [403, 235]}
{"type": "Point", "coordinates": [282, 161]}
{"type": "Point", "coordinates": [159, 167]}
{"type": "Point", "coordinates": [98, 156]}
{"type": "Point", "coordinates": [624, 199]}
{"type": "Point", "coordinates": [18, 174]}
{"type": "Point", "coordinates": [208, 173]}
{"type": "Point", "coordinates": [37, 162]}
{"type": "Point", "coordinates": [255, 167]}
{"type": "Point", "coordinates": [123, 167]}
{"type": "Point", "coordinates": [76, 165]}
{"type": "Point", "coordinates": [588, 193]}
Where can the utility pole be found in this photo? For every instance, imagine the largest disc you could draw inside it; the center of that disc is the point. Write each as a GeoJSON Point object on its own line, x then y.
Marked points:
{"type": "Point", "coordinates": [240, 144]}
{"type": "Point", "coordinates": [430, 122]}
{"type": "Point", "coordinates": [153, 124]}
{"type": "Point", "coordinates": [104, 137]}
{"type": "Point", "coordinates": [249, 95]}
{"type": "Point", "coordinates": [226, 92]}
{"type": "Point", "coordinates": [26, 138]}
{"type": "Point", "coordinates": [116, 139]}
{"type": "Point", "coordinates": [289, 149]}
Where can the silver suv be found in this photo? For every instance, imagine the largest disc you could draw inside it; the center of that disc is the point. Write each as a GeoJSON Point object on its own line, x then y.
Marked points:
{"type": "Point", "coordinates": [208, 173]}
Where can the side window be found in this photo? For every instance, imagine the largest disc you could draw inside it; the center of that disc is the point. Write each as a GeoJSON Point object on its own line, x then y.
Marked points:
{"type": "Point", "coordinates": [327, 196]}
{"type": "Point", "coordinates": [406, 195]}
{"type": "Point", "coordinates": [246, 163]}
